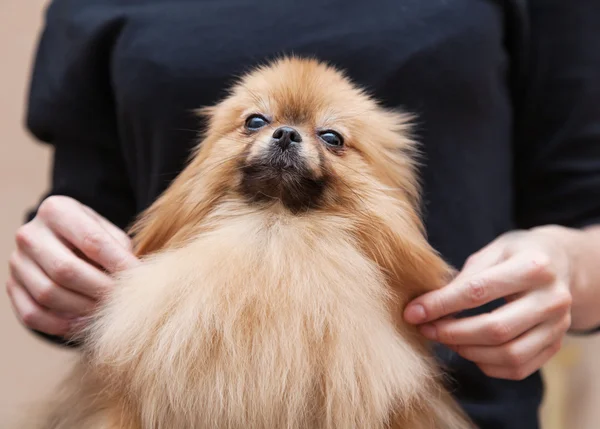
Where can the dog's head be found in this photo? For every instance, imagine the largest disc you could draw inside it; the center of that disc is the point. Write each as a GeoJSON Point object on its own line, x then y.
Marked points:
{"type": "Point", "coordinates": [299, 134]}
{"type": "Point", "coordinates": [297, 137]}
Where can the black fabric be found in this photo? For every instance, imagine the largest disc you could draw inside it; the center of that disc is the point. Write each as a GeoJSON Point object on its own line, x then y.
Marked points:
{"type": "Point", "coordinates": [506, 93]}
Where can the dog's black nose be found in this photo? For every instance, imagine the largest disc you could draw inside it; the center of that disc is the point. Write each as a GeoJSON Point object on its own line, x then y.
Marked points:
{"type": "Point", "coordinates": [284, 137]}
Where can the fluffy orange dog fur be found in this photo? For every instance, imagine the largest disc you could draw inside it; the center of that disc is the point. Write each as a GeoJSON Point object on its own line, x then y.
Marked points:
{"type": "Point", "coordinates": [272, 285]}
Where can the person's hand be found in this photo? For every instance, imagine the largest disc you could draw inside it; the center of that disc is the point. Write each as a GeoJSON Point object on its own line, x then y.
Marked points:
{"type": "Point", "coordinates": [531, 270]}
{"type": "Point", "coordinates": [62, 265]}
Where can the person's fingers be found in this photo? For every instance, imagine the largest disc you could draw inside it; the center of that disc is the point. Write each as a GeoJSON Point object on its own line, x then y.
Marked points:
{"type": "Point", "coordinates": [523, 371]}
{"type": "Point", "coordinates": [82, 231]}
{"type": "Point", "coordinates": [487, 257]}
{"type": "Point", "coordinates": [62, 266]}
{"type": "Point", "coordinates": [44, 291]}
{"type": "Point", "coordinates": [503, 324]}
{"type": "Point", "coordinates": [117, 233]}
{"type": "Point", "coordinates": [509, 277]}
{"type": "Point", "coordinates": [477, 262]}
{"type": "Point", "coordinates": [521, 350]}
{"type": "Point", "coordinates": [32, 314]}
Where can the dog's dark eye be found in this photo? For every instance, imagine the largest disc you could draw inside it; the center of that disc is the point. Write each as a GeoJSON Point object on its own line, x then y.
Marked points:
{"type": "Point", "coordinates": [256, 122]}
{"type": "Point", "coordinates": [331, 138]}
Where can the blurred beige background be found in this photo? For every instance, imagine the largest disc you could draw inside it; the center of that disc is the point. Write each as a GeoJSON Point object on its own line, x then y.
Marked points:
{"type": "Point", "coordinates": [29, 368]}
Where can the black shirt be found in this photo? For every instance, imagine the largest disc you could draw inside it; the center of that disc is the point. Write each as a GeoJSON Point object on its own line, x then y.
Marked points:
{"type": "Point", "coordinates": [507, 95]}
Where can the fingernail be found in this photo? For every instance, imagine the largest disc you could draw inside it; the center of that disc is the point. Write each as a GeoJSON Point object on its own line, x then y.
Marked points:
{"type": "Point", "coordinates": [415, 314]}
{"type": "Point", "coordinates": [429, 331]}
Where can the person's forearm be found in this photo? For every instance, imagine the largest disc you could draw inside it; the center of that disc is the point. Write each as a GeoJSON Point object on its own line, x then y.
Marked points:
{"type": "Point", "coordinates": [583, 247]}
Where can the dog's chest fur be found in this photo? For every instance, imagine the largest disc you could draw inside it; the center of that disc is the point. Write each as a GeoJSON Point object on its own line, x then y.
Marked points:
{"type": "Point", "coordinates": [258, 325]}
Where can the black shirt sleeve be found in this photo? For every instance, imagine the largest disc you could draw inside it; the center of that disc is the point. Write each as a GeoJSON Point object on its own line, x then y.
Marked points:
{"type": "Point", "coordinates": [71, 107]}
{"type": "Point", "coordinates": [558, 142]}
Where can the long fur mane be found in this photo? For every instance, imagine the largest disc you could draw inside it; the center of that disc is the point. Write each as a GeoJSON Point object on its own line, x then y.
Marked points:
{"type": "Point", "coordinates": [246, 317]}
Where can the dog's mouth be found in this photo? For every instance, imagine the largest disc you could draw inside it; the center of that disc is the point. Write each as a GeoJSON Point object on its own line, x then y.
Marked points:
{"type": "Point", "coordinates": [283, 159]}
{"type": "Point", "coordinates": [281, 175]}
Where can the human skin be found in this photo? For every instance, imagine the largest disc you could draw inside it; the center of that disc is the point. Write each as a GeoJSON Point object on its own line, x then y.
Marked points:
{"type": "Point", "coordinates": [62, 263]}
{"type": "Point", "coordinates": [550, 278]}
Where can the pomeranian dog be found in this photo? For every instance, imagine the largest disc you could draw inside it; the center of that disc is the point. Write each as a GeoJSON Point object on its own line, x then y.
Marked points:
{"type": "Point", "coordinates": [274, 273]}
